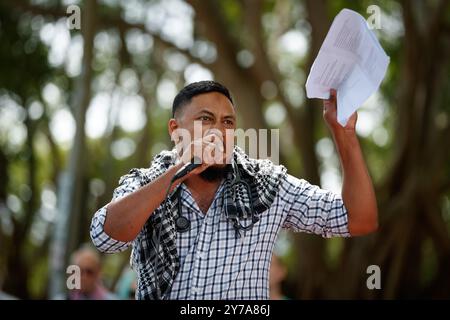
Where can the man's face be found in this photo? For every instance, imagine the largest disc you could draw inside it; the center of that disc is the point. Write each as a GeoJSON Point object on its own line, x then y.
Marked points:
{"type": "Point", "coordinates": [90, 271]}
{"type": "Point", "coordinates": [214, 112]}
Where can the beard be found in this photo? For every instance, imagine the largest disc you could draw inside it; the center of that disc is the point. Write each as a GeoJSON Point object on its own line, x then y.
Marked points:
{"type": "Point", "coordinates": [215, 173]}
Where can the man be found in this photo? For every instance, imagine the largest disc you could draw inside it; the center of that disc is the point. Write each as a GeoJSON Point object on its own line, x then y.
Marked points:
{"type": "Point", "coordinates": [224, 250]}
{"type": "Point", "coordinates": [91, 288]}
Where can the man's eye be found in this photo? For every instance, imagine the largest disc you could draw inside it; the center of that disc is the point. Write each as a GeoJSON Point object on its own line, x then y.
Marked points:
{"type": "Point", "coordinates": [228, 122]}
{"type": "Point", "coordinates": [205, 118]}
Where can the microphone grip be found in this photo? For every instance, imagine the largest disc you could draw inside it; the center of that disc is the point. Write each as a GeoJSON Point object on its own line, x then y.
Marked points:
{"type": "Point", "coordinates": [195, 163]}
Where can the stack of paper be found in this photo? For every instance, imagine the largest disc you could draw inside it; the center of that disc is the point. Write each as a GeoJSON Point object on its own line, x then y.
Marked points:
{"type": "Point", "coordinates": [351, 60]}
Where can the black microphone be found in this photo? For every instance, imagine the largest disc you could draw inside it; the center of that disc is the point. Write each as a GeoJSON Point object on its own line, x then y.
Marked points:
{"type": "Point", "coordinates": [188, 167]}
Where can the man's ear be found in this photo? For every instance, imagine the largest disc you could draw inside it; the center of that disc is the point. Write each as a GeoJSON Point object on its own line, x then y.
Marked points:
{"type": "Point", "coordinates": [172, 126]}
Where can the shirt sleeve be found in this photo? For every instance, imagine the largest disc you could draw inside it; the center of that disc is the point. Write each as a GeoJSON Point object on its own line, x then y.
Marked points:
{"type": "Point", "coordinates": [102, 241]}
{"type": "Point", "coordinates": [311, 209]}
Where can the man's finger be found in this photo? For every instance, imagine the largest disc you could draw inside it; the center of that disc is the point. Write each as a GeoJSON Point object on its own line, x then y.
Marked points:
{"type": "Point", "coordinates": [333, 93]}
{"type": "Point", "coordinates": [216, 139]}
{"type": "Point", "coordinates": [214, 132]}
{"type": "Point", "coordinates": [331, 102]}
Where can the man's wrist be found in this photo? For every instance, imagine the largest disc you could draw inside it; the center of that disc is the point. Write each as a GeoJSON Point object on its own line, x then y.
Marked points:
{"type": "Point", "coordinates": [343, 134]}
{"type": "Point", "coordinates": [346, 141]}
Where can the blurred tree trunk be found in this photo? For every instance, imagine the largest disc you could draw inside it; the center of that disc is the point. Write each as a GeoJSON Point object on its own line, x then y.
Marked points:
{"type": "Point", "coordinates": [17, 261]}
{"type": "Point", "coordinates": [71, 182]}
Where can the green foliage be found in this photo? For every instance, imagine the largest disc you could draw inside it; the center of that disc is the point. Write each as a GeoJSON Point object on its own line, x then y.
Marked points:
{"type": "Point", "coordinates": [24, 57]}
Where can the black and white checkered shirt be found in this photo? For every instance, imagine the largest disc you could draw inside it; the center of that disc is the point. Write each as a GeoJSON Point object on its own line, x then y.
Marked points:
{"type": "Point", "coordinates": [214, 263]}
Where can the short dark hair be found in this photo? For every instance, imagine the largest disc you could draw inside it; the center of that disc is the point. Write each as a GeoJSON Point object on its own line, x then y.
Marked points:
{"type": "Point", "coordinates": [194, 89]}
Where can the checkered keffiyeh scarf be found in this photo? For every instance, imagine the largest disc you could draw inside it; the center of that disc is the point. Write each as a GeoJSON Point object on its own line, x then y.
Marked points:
{"type": "Point", "coordinates": [263, 178]}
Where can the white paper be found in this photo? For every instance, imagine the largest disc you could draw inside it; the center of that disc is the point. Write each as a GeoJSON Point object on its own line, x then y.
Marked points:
{"type": "Point", "coordinates": [351, 60]}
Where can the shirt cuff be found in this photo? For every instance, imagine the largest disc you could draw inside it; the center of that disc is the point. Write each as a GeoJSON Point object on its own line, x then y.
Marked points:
{"type": "Point", "coordinates": [101, 239]}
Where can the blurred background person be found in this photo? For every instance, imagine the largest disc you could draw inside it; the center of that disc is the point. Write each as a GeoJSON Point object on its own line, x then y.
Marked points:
{"type": "Point", "coordinates": [278, 273]}
{"type": "Point", "coordinates": [91, 287]}
{"type": "Point", "coordinates": [126, 287]}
